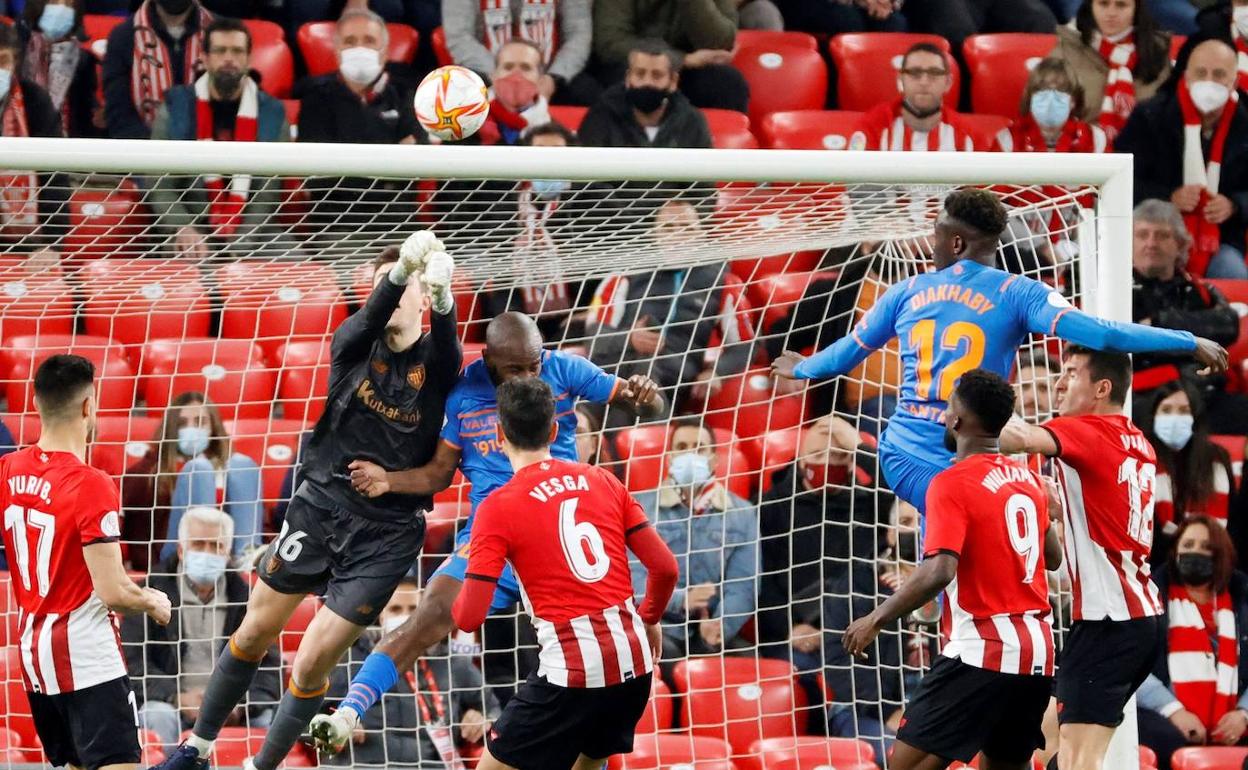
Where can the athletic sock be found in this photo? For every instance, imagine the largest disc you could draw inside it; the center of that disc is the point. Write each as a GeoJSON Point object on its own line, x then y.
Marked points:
{"type": "Point", "coordinates": [375, 678]}
{"type": "Point", "coordinates": [228, 684]}
{"type": "Point", "coordinates": [293, 715]}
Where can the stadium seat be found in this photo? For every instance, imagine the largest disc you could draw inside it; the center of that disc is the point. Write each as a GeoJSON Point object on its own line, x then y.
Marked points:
{"type": "Point", "coordinates": [1176, 45]}
{"type": "Point", "coordinates": [472, 352]}
{"type": "Point", "coordinates": [292, 634]}
{"type": "Point", "coordinates": [777, 294]}
{"type": "Point", "coordinates": [803, 763]}
{"type": "Point", "coordinates": [730, 130]}
{"type": "Point", "coordinates": [134, 300]}
{"type": "Point", "coordinates": [274, 305]}
{"type": "Point", "coordinates": [747, 405]}
{"type": "Point", "coordinates": [121, 440]}
{"type": "Point", "coordinates": [1234, 445]}
{"type": "Point", "coordinates": [754, 38]}
{"type": "Point", "coordinates": [774, 451]}
{"type": "Point", "coordinates": [457, 492]}
{"type": "Point", "coordinates": [810, 749]}
{"type": "Point", "coordinates": [983, 128]}
{"type": "Point", "coordinates": [231, 372]}
{"type": "Point", "coordinates": [683, 751]}
{"type": "Point", "coordinates": [741, 700]}
{"type": "Point", "coordinates": [271, 57]}
{"type": "Point", "coordinates": [105, 221]}
{"type": "Point", "coordinates": [1148, 758]}
{"type": "Point", "coordinates": [568, 115]}
{"type": "Point", "coordinates": [8, 614]}
{"type": "Point", "coordinates": [236, 744]}
{"type": "Point", "coordinates": [782, 77]}
{"type": "Point", "coordinates": [23, 355]}
{"type": "Point", "coordinates": [641, 450]}
{"type": "Point", "coordinates": [1233, 290]}
{"type": "Point", "coordinates": [809, 129]}
{"type": "Point", "coordinates": [16, 708]}
{"type": "Point", "coordinates": [660, 708]}
{"type": "Point", "coordinates": [273, 444]}
{"type": "Point", "coordinates": [33, 300]}
{"type": "Point", "coordinates": [1209, 758]}
{"type": "Point", "coordinates": [999, 66]}
{"type": "Point", "coordinates": [316, 43]}
{"type": "Point", "coordinates": [440, 524]}
{"type": "Point", "coordinates": [303, 379]}
{"type": "Point", "coordinates": [97, 27]}
{"type": "Point", "coordinates": [292, 107]}
{"type": "Point", "coordinates": [867, 64]}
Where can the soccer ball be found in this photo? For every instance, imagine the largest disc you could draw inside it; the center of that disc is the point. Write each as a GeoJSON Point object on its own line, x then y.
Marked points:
{"type": "Point", "coordinates": [452, 103]}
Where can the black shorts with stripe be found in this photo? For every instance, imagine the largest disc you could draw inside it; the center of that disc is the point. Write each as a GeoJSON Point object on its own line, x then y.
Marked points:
{"type": "Point", "coordinates": [88, 728]}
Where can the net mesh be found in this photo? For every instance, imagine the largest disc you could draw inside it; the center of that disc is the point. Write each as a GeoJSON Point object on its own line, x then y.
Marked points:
{"type": "Point", "coordinates": [170, 289]}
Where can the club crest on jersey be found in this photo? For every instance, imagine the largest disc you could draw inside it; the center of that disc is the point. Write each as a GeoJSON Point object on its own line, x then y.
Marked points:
{"type": "Point", "coordinates": [416, 376]}
{"type": "Point", "coordinates": [380, 367]}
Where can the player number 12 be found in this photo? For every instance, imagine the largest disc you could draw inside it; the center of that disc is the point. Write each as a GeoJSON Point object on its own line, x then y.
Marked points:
{"type": "Point", "coordinates": [16, 519]}
{"type": "Point", "coordinates": [923, 339]}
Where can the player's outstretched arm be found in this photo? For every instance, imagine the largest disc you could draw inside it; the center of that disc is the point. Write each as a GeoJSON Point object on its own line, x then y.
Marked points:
{"type": "Point", "coordinates": [1019, 437]}
{"type": "Point", "coordinates": [833, 361]}
{"type": "Point", "coordinates": [1100, 334]}
{"type": "Point", "coordinates": [923, 585]}
{"type": "Point", "coordinates": [115, 588]}
{"type": "Point", "coordinates": [642, 392]}
{"type": "Point", "coordinates": [371, 480]}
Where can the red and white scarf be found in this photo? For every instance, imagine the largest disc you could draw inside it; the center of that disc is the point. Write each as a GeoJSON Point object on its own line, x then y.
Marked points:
{"type": "Point", "coordinates": [1205, 682]}
{"type": "Point", "coordinates": [226, 204]}
{"type": "Point", "coordinates": [19, 190]}
{"type": "Point", "coordinates": [1216, 506]}
{"type": "Point", "coordinates": [1026, 136]}
{"type": "Point", "coordinates": [536, 244]}
{"type": "Point", "coordinates": [52, 64]}
{"type": "Point", "coordinates": [945, 136]}
{"type": "Point", "coordinates": [151, 74]}
{"type": "Point", "coordinates": [1241, 55]}
{"type": "Point", "coordinates": [1206, 236]}
{"type": "Point", "coordinates": [536, 24]}
{"type": "Point", "coordinates": [1119, 99]}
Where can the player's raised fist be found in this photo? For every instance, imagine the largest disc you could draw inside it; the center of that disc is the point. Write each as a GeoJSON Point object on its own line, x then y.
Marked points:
{"type": "Point", "coordinates": [1211, 354]}
{"type": "Point", "coordinates": [414, 254]}
{"type": "Point", "coordinates": [436, 277]}
{"type": "Point", "coordinates": [158, 606]}
{"type": "Point", "coordinates": [785, 363]}
{"type": "Point", "coordinates": [369, 479]}
{"type": "Point", "coordinates": [640, 390]}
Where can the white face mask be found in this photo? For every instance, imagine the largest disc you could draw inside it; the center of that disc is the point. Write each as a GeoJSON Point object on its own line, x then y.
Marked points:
{"type": "Point", "coordinates": [6, 82]}
{"type": "Point", "coordinates": [1174, 430]}
{"type": "Point", "coordinates": [1239, 19]}
{"type": "Point", "coordinates": [1208, 96]}
{"type": "Point", "coordinates": [360, 65]}
{"type": "Point", "coordinates": [389, 624]}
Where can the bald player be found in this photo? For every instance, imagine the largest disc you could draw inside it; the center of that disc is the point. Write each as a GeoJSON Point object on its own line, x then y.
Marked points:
{"type": "Point", "coordinates": [513, 349]}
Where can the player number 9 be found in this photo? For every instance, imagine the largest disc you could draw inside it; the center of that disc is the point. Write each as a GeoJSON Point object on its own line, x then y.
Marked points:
{"type": "Point", "coordinates": [1020, 512]}
{"type": "Point", "coordinates": [576, 539]}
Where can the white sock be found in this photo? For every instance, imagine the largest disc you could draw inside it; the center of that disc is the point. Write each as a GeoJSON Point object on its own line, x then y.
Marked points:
{"type": "Point", "coordinates": [204, 747]}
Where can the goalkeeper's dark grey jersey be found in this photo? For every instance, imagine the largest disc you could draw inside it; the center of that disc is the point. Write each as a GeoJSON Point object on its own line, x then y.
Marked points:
{"type": "Point", "coordinates": [383, 406]}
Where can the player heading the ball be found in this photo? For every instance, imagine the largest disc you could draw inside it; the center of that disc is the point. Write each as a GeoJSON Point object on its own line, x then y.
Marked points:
{"type": "Point", "coordinates": [964, 315]}
{"type": "Point", "coordinates": [566, 529]}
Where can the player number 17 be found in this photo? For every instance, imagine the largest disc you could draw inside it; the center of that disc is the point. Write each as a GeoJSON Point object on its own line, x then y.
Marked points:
{"type": "Point", "coordinates": [16, 519]}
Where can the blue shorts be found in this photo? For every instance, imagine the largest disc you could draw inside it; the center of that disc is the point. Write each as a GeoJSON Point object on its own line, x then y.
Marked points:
{"type": "Point", "coordinates": [907, 475]}
{"type": "Point", "coordinates": [456, 565]}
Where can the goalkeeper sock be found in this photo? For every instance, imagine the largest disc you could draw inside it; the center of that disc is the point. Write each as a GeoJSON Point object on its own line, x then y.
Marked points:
{"type": "Point", "coordinates": [293, 715]}
{"type": "Point", "coordinates": [375, 678]}
{"type": "Point", "coordinates": [229, 683]}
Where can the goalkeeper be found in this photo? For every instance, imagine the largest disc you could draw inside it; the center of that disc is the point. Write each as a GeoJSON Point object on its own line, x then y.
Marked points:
{"type": "Point", "coordinates": [387, 395]}
{"type": "Point", "coordinates": [966, 315]}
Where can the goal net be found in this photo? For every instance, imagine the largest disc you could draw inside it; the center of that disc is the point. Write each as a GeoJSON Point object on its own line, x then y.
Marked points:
{"type": "Point", "coordinates": [203, 280]}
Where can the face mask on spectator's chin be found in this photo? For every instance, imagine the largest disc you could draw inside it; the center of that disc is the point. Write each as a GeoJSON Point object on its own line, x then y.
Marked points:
{"type": "Point", "coordinates": [1174, 430]}
{"type": "Point", "coordinates": [1050, 108]}
{"type": "Point", "coordinates": [174, 7]}
{"type": "Point", "coordinates": [646, 99]}
{"type": "Point", "coordinates": [56, 21]}
{"type": "Point", "coordinates": [1208, 96]}
{"type": "Point", "coordinates": [818, 475]}
{"type": "Point", "coordinates": [1239, 17]}
{"type": "Point", "coordinates": [690, 469]}
{"type": "Point", "coordinates": [226, 83]}
{"type": "Point", "coordinates": [6, 82]}
{"type": "Point", "coordinates": [203, 568]}
{"type": "Point", "coordinates": [920, 114]}
{"type": "Point", "coordinates": [360, 65]}
{"type": "Point", "coordinates": [516, 92]}
{"type": "Point", "coordinates": [390, 624]}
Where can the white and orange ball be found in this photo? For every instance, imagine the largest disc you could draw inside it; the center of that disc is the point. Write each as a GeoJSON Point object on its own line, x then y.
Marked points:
{"type": "Point", "coordinates": [452, 102]}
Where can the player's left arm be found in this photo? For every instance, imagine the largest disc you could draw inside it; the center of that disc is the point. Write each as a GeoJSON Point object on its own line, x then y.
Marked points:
{"type": "Point", "coordinates": [587, 380]}
{"type": "Point", "coordinates": [873, 332]}
{"type": "Point", "coordinates": [487, 553]}
{"type": "Point", "coordinates": [1019, 437]}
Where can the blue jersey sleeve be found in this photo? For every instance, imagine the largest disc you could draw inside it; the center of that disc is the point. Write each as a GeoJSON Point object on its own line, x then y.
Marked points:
{"type": "Point", "coordinates": [874, 331]}
{"type": "Point", "coordinates": [584, 378]}
{"type": "Point", "coordinates": [450, 427]}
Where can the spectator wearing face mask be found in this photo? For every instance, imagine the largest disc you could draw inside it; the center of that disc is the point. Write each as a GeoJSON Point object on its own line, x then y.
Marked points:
{"type": "Point", "coordinates": [55, 60]}
{"type": "Point", "coordinates": [1198, 691]}
{"type": "Point", "coordinates": [170, 664]}
{"type": "Point", "coordinates": [1194, 475]}
{"type": "Point", "coordinates": [917, 120]}
{"type": "Point", "coordinates": [517, 103]}
{"type": "Point", "coordinates": [1229, 16]}
{"type": "Point", "coordinates": [1195, 135]}
{"type": "Point", "coordinates": [1051, 105]}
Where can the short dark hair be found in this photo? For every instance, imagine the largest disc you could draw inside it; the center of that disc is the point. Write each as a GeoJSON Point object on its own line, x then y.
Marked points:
{"type": "Point", "coordinates": [1219, 542]}
{"type": "Point", "coordinates": [10, 39]}
{"type": "Point", "coordinates": [924, 48]}
{"type": "Point", "coordinates": [553, 128]}
{"type": "Point", "coordinates": [60, 381]}
{"type": "Point", "coordinates": [988, 396]}
{"type": "Point", "coordinates": [225, 24]}
{"type": "Point", "coordinates": [655, 47]}
{"type": "Point", "coordinates": [689, 422]}
{"type": "Point", "coordinates": [977, 208]}
{"type": "Point", "coordinates": [388, 256]}
{"type": "Point", "coordinates": [526, 409]}
{"type": "Point", "coordinates": [1106, 365]}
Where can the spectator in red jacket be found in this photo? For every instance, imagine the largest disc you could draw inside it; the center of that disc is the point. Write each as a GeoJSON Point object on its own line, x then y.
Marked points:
{"type": "Point", "coordinates": [917, 120]}
{"type": "Point", "coordinates": [1051, 106]}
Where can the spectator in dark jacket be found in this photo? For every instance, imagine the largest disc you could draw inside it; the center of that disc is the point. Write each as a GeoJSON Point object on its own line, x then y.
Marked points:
{"type": "Point", "coordinates": [154, 50]}
{"type": "Point", "coordinates": [1167, 296]}
{"type": "Point", "coordinates": [56, 60]}
{"type": "Point", "coordinates": [170, 664]}
{"type": "Point", "coordinates": [646, 109]}
{"type": "Point", "coordinates": [820, 511]}
{"type": "Point", "coordinates": [1195, 137]}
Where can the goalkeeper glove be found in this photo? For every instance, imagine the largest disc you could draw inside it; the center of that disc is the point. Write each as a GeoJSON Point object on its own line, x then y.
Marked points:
{"type": "Point", "coordinates": [413, 255]}
{"type": "Point", "coordinates": [439, 268]}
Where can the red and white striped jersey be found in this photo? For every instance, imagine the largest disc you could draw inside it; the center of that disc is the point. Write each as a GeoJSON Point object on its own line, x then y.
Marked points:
{"type": "Point", "coordinates": [1108, 474]}
{"type": "Point", "coordinates": [992, 513]}
{"type": "Point", "coordinates": [563, 527]}
{"type": "Point", "coordinates": [54, 504]}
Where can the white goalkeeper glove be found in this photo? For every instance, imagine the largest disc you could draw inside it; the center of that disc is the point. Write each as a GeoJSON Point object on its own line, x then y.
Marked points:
{"type": "Point", "coordinates": [413, 255]}
{"type": "Point", "coordinates": [439, 268]}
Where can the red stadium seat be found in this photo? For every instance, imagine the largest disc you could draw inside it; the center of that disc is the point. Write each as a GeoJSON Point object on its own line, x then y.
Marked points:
{"type": "Point", "coordinates": [1209, 758]}
{"type": "Point", "coordinates": [24, 354]}
{"type": "Point", "coordinates": [1234, 445]}
{"type": "Point", "coordinates": [730, 130]}
{"type": "Point", "coordinates": [273, 444]}
{"type": "Point", "coordinates": [274, 305]}
{"type": "Point", "coordinates": [777, 294]}
{"type": "Point", "coordinates": [754, 38]}
{"type": "Point", "coordinates": [1148, 758]}
{"type": "Point", "coordinates": [292, 634]}
{"type": "Point", "coordinates": [660, 708]}
{"type": "Point", "coordinates": [1176, 45]}
{"type": "Point", "coordinates": [782, 77]}
{"type": "Point", "coordinates": [774, 451]}
{"type": "Point", "coordinates": [1233, 290]}
{"type": "Point", "coordinates": [741, 700]}
{"type": "Point", "coordinates": [749, 270]}
{"type": "Point", "coordinates": [97, 26]}
{"type": "Point", "coordinates": [983, 128]}
{"type": "Point", "coordinates": [803, 763]}
{"type": "Point", "coordinates": [809, 129]}
{"type": "Point", "coordinates": [16, 706]}
{"type": "Point", "coordinates": [472, 352]}
{"type": "Point", "coordinates": [641, 449]}
{"type": "Point", "coordinates": [231, 372]}
{"type": "Point", "coordinates": [1000, 65]}
{"type": "Point", "coordinates": [120, 441]}
{"type": "Point", "coordinates": [568, 115]}
{"type": "Point", "coordinates": [105, 222]}
{"type": "Point", "coordinates": [736, 464]}
{"type": "Point", "coordinates": [809, 749]}
{"type": "Point", "coordinates": [437, 39]}
{"type": "Point", "coordinates": [303, 379]}
{"type": "Point", "coordinates": [457, 492]}
{"type": "Point", "coordinates": [8, 615]}
{"type": "Point", "coordinates": [33, 300]}
{"type": "Point", "coordinates": [134, 300]}
{"type": "Point", "coordinates": [316, 43]}
{"type": "Point", "coordinates": [683, 751]}
{"type": "Point", "coordinates": [292, 107]}
{"type": "Point", "coordinates": [271, 57]}
{"type": "Point", "coordinates": [867, 65]}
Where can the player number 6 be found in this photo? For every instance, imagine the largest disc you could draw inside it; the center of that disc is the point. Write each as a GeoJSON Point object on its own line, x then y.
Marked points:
{"type": "Point", "coordinates": [576, 539]}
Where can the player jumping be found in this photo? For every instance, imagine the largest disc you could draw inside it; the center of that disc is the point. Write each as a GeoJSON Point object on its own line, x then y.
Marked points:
{"type": "Point", "coordinates": [513, 350]}
{"type": "Point", "coordinates": [387, 392]}
{"type": "Point", "coordinates": [966, 315]}
{"type": "Point", "coordinates": [566, 529]}
{"type": "Point", "coordinates": [61, 531]}
{"type": "Point", "coordinates": [988, 545]}
{"type": "Point", "coordinates": [1107, 470]}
